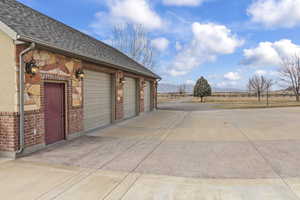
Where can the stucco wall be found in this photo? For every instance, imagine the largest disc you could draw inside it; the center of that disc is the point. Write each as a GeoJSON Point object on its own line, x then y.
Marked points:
{"type": "Point", "coordinates": [8, 86]}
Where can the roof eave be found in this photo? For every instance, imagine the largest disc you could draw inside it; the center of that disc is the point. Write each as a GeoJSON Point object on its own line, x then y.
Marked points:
{"type": "Point", "coordinates": [8, 31]}
{"type": "Point", "coordinates": [84, 57]}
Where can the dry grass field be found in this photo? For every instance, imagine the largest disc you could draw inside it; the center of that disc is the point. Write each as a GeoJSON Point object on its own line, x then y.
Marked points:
{"type": "Point", "coordinates": [237, 100]}
{"type": "Point", "coordinates": [250, 102]}
{"type": "Point", "coordinates": [166, 97]}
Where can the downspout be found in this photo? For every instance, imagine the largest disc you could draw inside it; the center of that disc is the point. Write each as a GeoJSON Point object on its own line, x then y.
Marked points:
{"type": "Point", "coordinates": [21, 97]}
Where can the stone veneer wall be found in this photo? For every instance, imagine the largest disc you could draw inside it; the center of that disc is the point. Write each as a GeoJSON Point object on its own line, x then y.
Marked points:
{"type": "Point", "coordinates": [56, 67]}
{"type": "Point", "coordinates": [53, 67]}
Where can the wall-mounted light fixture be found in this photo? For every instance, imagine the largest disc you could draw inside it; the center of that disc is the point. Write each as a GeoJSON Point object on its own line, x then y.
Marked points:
{"type": "Point", "coordinates": [122, 81]}
{"type": "Point", "coordinates": [144, 84]}
{"type": "Point", "coordinates": [79, 74]}
{"type": "Point", "coordinates": [31, 67]}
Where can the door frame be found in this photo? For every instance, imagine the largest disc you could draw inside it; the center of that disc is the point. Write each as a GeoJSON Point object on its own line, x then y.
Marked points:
{"type": "Point", "coordinates": [152, 95]}
{"type": "Point", "coordinates": [137, 95]}
{"type": "Point", "coordinates": [112, 96]}
{"type": "Point", "coordinates": [113, 73]}
{"type": "Point", "coordinates": [137, 92]}
{"type": "Point", "coordinates": [65, 86]}
{"type": "Point", "coordinates": [149, 97]}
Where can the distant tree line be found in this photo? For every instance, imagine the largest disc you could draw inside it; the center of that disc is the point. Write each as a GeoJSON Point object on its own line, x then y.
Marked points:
{"type": "Point", "coordinates": [289, 76]}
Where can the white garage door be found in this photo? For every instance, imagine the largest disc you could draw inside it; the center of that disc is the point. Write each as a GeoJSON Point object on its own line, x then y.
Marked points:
{"type": "Point", "coordinates": [97, 99]}
{"type": "Point", "coordinates": [147, 97]}
{"type": "Point", "coordinates": [130, 96]}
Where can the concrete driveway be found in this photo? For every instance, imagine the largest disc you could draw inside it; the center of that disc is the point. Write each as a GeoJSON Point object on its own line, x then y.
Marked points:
{"type": "Point", "coordinates": [166, 155]}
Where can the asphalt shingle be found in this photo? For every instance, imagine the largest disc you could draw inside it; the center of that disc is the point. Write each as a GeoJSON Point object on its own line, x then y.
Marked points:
{"type": "Point", "coordinates": [30, 23]}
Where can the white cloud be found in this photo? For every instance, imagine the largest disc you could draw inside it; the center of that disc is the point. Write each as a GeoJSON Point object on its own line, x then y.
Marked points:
{"type": "Point", "coordinates": [127, 11]}
{"type": "Point", "coordinates": [271, 73]}
{"type": "Point", "coordinates": [174, 72]}
{"type": "Point", "coordinates": [232, 76]}
{"type": "Point", "coordinates": [190, 82]}
{"type": "Point", "coordinates": [274, 73]}
{"type": "Point", "coordinates": [226, 84]}
{"type": "Point", "coordinates": [216, 39]}
{"type": "Point", "coordinates": [160, 43]}
{"type": "Point", "coordinates": [270, 54]}
{"type": "Point", "coordinates": [275, 13]}
{"type": "Point", "coordinates": [261, 72]}
{"type": "Point", "coordinates": [209, 41]}
{"type": "Point", "coordinates": [183, 2]}
{"type": "Point", "coordinates": [178, 46]}
{"type": "Point", "coordinates": [213, 76]}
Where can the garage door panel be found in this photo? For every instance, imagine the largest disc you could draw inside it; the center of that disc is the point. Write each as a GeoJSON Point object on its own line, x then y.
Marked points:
{"type": "Point", "coordinates": [95, 103]}
{"type": "Point", "coordinates": [130, 96]}
{"type": "Point", "coordinates": [96, 116]}
{"type": "Point", "coordinates": [97, 99]}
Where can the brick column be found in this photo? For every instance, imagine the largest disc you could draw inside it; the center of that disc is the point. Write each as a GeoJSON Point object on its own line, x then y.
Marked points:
{"type": "Point", "coordinates": [119, 95]}
{"type": "Point", "coordinates": [141, 95]}
{"type": "Point", "coordinates": [153, 95]}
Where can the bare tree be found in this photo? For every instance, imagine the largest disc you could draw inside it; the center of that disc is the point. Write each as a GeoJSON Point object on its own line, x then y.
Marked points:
{"type": "Point", "coordinates": [182, 89]}
{"type": "Point", "coordinates": [268, 86]}
{"type": "Point", "coordinates": [134, 41]}
{"type": "Point", "coordinates": [290, 74]}
{"type": "Point", "coordinates": [257, 84]}
{"type": "Point", "coordinates": [249, 89]}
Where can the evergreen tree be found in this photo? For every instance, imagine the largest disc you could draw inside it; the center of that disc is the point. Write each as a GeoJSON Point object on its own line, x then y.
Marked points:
{"type": "Point", "coordinates": [202, 88]}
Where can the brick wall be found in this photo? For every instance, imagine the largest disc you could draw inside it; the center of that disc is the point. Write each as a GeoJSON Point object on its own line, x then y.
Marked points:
{"type": "Point", "coordinates": [8, 131]}
{"type": "Point", "coordinates": [34, 128]}
{"type": "Point", "coordinates": [34, 119]}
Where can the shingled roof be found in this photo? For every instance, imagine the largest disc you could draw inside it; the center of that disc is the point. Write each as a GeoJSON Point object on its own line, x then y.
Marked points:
{"type": "Point", "coordinates": [31, 24]}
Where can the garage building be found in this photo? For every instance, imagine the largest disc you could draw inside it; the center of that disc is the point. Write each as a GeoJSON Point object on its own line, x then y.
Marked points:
{"type": "Point", "coordinates": [45, 98]}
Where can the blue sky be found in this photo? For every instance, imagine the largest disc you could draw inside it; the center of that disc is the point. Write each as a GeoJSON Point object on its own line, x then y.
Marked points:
{"type": "Point", "coordinates": [227, 41]}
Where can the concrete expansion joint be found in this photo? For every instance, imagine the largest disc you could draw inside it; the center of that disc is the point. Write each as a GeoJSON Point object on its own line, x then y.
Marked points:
{"type": "Point", "coordinates": [59, 189]}
{"type": "Point", "coordinates": [70, 182]}
{"type": "Point", "coordinates": [265, 159]}
{"type": "Point", "coordinates": [167, 131]}
{"type": "Point", "coordinates": [109, 194]}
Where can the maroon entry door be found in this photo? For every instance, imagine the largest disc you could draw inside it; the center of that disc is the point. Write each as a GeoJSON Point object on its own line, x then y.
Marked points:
{"type": "Point", "coordinates": [54, 112]}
